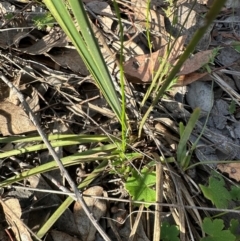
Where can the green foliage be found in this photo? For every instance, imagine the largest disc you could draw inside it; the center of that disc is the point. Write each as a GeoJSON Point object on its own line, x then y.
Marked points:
{"type": "Point", "coordinates": [235, 193]}
{"type": "Point", "coordinates": [234, 226]}
{"type": "Point", "coordinates": [215, 231]}
{"type": "Point", "coordinates": [236, 45]}
{"type": "Point", "coordinates": [215, 52]}
{"type": "Point", "coordinates": [232, 107]}
{"type": "Point", "coordinates": [9, 16]}
{"type": "Point", "coordinates": [139, 185]}
{"type": "Point", "coordinates": [169, 232]}
{"type": "Point", "coordinates": [44, 20]}
{"type": "Point", "coordinates": [216, 192]}
{"type": "Point", "coordinates": [183, 157]}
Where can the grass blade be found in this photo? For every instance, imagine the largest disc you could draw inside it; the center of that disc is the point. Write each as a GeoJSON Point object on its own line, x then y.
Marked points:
{"type": "Point", "coordinates": [87, 47]}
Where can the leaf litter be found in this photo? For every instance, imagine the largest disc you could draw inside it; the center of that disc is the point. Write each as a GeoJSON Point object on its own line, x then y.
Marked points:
{"type": "Point", "coordinates": [49, 58]}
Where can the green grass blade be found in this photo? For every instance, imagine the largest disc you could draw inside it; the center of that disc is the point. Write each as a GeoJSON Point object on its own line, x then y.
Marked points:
{"type": "Point", "coordinates": [87, 47]}
{"type": "Point", "coordinates": [65, 141]}
{"type": "Point", "coordinates": [70, 137]}
{"type": "Point", "coordinates": [181, 150]}
{"type": "Point", "coordinates": [98, 153]}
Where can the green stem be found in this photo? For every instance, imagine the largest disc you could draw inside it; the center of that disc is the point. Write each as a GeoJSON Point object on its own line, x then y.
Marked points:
{"type": "Point", "coordinates": [209, 18]}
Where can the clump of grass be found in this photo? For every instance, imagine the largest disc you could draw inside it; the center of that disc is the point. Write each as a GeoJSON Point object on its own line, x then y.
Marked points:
{"type": "Point", "coordinates": [66, 13]}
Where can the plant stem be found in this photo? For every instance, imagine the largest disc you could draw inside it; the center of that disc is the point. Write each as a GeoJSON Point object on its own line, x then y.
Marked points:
{"type": "Point", "coordinates": [209, 18]}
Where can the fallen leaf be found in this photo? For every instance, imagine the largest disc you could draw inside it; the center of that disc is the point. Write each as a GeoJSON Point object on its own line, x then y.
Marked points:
{"type": "Point", "coordinates": [13, 95]}
{"type": "Point", "coordinates": [190, 78]}
{"type": "Point", "coordinates": [12, 211]}
{"type": "Point", "coordinates": [33, 99]}
{"type": "Point", "coordinates": [69, 58]}
{"type": "Point", "coordinates": [96, 207]}
{"type": "Point", "coordinates": [21, 35]}
{"type": "Point", "coordinates": [140, 69]}
{"type": "Point", "coordinates": [103, 9]}
{"type": "Point", "coordinates": [6, 40]}
{"type": "Point", "coordinates": [100, 8]}
{"type": "Point", "coordinates": [232, 169]}
{"type": "Point", "coordinates": [54, 39]}
{"type": "Point", "coordinates": [196, 62]}
{"type": "Point", "coordinates": [13, 120]}
{"type": "Point", "coordinates": [4, 91]}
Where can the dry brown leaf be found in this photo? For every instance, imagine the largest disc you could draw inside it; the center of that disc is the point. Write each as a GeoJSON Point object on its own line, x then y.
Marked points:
{"type": "Point", "coordinates": [97, 208]}
{"type": "Point", "coordinates": [232, 169]}
{"type": "Point", "coordinates": [69, 58]}
{"type": "Point", "coordinates": [139, 69]}
{"type": "Point", "coordinates": [13, 120]}
{"type": "Point", "coordinates": [21, 35]}
{"type": "Point", "coordinates": [103, 9]}
{"type": "Point", "coordinates": [196, 62]}
{"type": "Point", "coordinates": [13, 95]}
{"type": "Point", "coordinates": [53, 39]}
{"type": "Point", "coordinates": [190, 78]}
{"type": "Point", "coordinates": [12, 211]}
{"type": "Point", "coordinates": [6, 38]}
{"type": "Point", "coordinates": [33, 99]}
{"type": "Point", "coordinates": [61, 236]}
{"type": "Point", "coordinates": [4, 91]}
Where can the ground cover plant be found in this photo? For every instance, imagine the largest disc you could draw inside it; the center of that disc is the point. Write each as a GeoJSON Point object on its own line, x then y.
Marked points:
{"type": "Point", "coordinates": [119, 120]}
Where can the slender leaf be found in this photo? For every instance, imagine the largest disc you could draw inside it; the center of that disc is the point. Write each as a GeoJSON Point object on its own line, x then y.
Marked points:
{"type": "Point", "coordinates": [87, 46]}
{"type": "Point", "coordinates": [181, 150]}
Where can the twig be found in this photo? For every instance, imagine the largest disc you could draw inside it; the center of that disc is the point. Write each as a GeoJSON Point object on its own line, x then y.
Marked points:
{"type": "Point", "coordinates": [133, 232]}
{"type": "Point", "coordinates": [229, 210]}
{"type": "Point", "coordinates": [55, 157]}
{"type": "Point", "coordinates": [159, 198]}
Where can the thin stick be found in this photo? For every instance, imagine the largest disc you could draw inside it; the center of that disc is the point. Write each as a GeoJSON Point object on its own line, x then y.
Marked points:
{"type": "Point", "coordinates": [55, 157]}
{"type": "Point", "coordinates": [159, 198]}
{"type": "Point", "coordinates": [132, 201]}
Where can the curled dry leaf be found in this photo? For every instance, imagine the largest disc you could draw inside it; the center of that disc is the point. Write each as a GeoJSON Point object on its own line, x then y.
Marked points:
{"type": "Point", "coordinates": [12, 211]}
{"type": "Point", "coordinates": [53, 39]}
{"type": "Point", "coordinates": [13, 120]}
{"type": "Point", "coordinates": [21, 35]}
{"type": "Point", "coordinates": [232, 169]}
{"type": "Point", "coordinates": [97, 208]}
{"type": "Point", "coordinates": [196, 62]}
